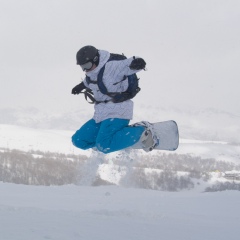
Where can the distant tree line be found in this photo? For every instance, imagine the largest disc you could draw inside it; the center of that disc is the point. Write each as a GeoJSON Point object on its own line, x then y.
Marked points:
{"type": "Point", "coordinates": [223, 186]}
{"type": "Point", "coordinates": [164, 180]}
{"type": "Point", "coordinates": [186, 163]}
{"type": "Point", "coordinates": [174, 172]}
{"type": "Point", "coordinates": [47, 169]}
{"type": "Point", "coordinates": [166, 172]}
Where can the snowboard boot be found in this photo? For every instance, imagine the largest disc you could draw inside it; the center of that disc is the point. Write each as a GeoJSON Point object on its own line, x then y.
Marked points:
{"type": "Point", "coordinates": [148, 139]}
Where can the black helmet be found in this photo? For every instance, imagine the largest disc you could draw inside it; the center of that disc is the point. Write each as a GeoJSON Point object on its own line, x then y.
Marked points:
{"type": "Point", "coordinates": [87, 54]}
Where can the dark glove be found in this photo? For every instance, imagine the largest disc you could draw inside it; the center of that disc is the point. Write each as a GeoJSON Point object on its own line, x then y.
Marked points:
{"type": "Point", "coordinates": [77, 89]}
{"type": "Point", "coordinates": [137, 64]}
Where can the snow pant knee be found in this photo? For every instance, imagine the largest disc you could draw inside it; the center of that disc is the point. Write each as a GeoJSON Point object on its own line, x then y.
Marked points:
{"type": "Point", "coordinates": [85, 137]}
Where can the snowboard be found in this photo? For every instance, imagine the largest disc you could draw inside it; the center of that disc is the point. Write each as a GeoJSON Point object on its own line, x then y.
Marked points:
{"type": "Point", "coordinates": [167, 134]}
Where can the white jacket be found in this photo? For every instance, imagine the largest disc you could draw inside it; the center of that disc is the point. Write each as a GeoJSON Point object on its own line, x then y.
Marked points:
{"type": "Point", "coordinates": [114, 72]}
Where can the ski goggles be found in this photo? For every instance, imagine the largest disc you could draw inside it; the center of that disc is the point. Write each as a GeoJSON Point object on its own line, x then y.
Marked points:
{"type": "Point", "coordinates": [86, 66]}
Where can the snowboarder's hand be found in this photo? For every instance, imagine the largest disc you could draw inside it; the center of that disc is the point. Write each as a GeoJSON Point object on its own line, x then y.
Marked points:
{"type": "Point", "coordinates": [77, 89]}
{"type": "Point", "coordinates": [137, 64]}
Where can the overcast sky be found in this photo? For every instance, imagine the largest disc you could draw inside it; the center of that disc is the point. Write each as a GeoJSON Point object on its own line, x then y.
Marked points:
{"type": "Point", "coordinates": [192, 50]}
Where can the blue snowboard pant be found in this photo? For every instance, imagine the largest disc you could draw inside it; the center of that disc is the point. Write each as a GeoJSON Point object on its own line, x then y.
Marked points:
{"type": "Point", "coordinates": [107, 136]}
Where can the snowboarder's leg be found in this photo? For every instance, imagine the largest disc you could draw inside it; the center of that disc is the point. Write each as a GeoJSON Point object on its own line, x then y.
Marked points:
{"type": "Point", "coordinates": [85, 137]}
{"type": "Point", "coordinates": [115, 134]}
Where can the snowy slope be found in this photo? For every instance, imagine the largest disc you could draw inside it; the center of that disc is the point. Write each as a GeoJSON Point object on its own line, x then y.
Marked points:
{"type": "Point", "coordinates": [210, 149]}
{"type": "Point", "coordinates": [23, 138]}
{"type": "Point", "coordinates": [110, 212]}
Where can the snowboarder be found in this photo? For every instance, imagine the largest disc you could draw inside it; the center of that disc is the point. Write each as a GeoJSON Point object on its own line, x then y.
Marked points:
{"type": "Point", "coordinates": [109, 129]}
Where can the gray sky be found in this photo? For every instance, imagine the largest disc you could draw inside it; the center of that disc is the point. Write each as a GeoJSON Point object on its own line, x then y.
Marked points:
{"type": "Point", "coordinates": [192, 50]}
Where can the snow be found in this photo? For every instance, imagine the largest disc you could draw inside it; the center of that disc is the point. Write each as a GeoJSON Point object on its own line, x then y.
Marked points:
{"type": "Point", "coordinates": [111, 212]}
{"type": "Point", "coordinates": [210, 149]}
{"type": "Point", "coordinates": [25, 139]}
{"type": "Point", "coordinates": [111, 173]}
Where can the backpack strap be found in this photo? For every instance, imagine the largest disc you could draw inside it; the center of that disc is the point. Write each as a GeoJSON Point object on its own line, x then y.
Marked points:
{"type": "Point", "coordinates": [101, 85]}
{"type": "Point", "coordinates": [89, 81]}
